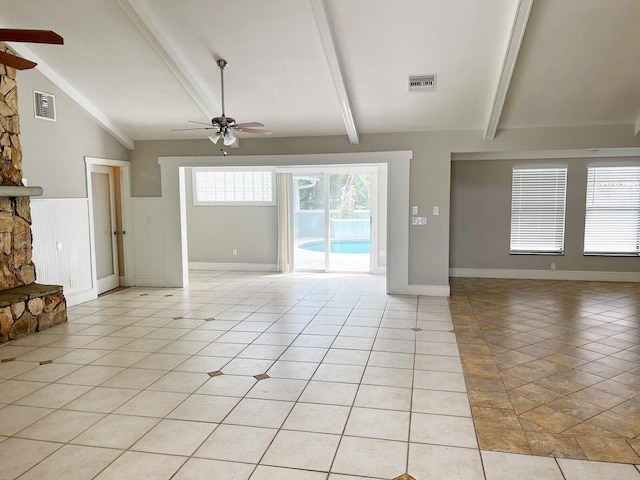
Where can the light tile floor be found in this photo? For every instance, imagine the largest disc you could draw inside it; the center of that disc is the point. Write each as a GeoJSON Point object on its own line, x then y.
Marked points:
{"type": "Point", "coordinates": [360, 385]}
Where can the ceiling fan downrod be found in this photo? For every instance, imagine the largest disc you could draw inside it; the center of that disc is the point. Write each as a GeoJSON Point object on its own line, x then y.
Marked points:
{"type": "Point", "coordinates": [222, 63]}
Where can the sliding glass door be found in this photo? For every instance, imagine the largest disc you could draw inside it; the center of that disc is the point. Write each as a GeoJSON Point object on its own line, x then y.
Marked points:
{"type": "Point", "coordinates": [309, 233]}
{"type": "Point", "coordinates": [332, 220]}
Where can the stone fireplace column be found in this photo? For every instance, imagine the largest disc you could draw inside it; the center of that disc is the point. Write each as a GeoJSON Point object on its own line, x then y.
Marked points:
{"type": "Point", "coordinates": [25, 307]}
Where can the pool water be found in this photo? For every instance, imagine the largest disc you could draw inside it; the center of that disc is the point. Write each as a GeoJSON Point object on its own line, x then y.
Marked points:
{"type": "Point", "coordinates": [338, 246]}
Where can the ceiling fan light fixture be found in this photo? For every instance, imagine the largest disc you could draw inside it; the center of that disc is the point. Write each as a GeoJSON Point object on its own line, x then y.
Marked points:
{"type": "Point", "coordinates": [228, 138]}
{"type": "Point", "coordinates": [215, 138]}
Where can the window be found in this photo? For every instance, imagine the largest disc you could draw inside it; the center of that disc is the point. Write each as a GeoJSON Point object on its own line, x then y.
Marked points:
{"type": "Point", "coordinates": [538, 199]}
{"type": "Point", "coordinates": [612, 223]}
{"type": "Point", "coordinates": [215, 186]}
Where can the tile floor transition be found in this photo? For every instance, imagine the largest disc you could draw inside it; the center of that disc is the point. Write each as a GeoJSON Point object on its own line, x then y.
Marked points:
{"type": "Point", "coordinates": [316, 377]}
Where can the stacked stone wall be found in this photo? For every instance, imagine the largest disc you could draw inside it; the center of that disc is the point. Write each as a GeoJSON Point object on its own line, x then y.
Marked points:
{"type": "Point", "coordinates": [16, 266]}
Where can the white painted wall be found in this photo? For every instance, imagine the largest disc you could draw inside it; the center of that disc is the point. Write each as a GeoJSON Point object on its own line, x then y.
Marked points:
{"type": "Point", "coordinates": [63, 222]}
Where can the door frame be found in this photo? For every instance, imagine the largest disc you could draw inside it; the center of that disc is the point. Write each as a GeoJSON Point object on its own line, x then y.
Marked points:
{"type": "Point", "coordinates": [125, 206]}
{"type": "Point", "coordinates": [111, 281]}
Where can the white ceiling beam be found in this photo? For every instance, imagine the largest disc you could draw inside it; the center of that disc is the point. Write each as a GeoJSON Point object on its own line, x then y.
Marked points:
{"type": "Point", "coordinates": [75, 95]}
{"type": "Point", "coordinates": [511, 57]}
{"type": "Point", "coordinates": [146, 22]}
{"type": "Point", "coordinates": [326, 34]}
{"type": "Point", "coordinates": [637, 126]}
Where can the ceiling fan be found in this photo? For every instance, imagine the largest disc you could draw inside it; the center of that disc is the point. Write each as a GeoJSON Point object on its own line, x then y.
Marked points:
{"type": "Point", "coordinates": [225, 126]}
{"type": "Point", "coordinates": [30, 36]}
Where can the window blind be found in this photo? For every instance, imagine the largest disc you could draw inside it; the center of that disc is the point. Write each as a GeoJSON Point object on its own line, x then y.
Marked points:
{"type": "Point", "coordinates": [538, 199]}
{"type": "Point", "coordinates": [612, 222]}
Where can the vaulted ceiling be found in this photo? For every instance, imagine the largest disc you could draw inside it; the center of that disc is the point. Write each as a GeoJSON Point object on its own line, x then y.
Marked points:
{"type": "Point", "coordinates": [340, 67]}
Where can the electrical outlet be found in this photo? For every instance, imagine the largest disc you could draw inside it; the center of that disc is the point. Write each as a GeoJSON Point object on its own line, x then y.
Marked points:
{"type": "Point", "coordinates": [553, 266]}
{"type": "Point", "coordinates": [234, 252]}
{"type": "Point", "coordinates": [59, 246]}
{"type": "Point", "coordinates": [414, 210]}
{"type": "Point", "coordinates": [72, 282]}
{"type": "Point", "coordinates": [436, 210]}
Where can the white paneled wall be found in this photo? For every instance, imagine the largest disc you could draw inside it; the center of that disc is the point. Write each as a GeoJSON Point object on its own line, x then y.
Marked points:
{"type": "Point", "coordinates": [62, 247]}
{"type": "Point", "coordinates": [148, 241]}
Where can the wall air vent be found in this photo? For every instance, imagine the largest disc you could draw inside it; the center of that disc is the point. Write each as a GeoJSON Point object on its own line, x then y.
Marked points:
{"type": "Point", "coordinates": [44, 106]}
{"type": "Point", "coordinates": [421, 83]}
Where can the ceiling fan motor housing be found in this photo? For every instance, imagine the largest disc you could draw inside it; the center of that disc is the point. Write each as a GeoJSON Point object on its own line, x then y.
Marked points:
{"type": "Point", "coordinates": [223, 121]}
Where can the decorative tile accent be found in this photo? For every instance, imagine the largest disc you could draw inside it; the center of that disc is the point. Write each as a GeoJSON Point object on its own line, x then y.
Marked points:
{"type": "Point", "coordinates": [6, 360]}
{"type": "Point", "coordinates": [207, 319]}
{"type": "Point", "coordinates": [178, 318]}
{"type": "Point", "coordinates": [406, 476]}
{"type": "Point", "coordinates": [144, 294]}
{"type": "Point", "coordinates": [217, 373]}
{"type": "Point", "coordinates": [46, 362]}
{"type": "Point", "coordinates": [415, 329]}
{"type": "Point", "coordinates": [262, 376]}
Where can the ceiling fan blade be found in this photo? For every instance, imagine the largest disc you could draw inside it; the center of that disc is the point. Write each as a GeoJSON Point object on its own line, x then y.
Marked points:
{"type": "Point", "coordinates": [31, 36]}
{"type": "Point", "coordinates": [249, 124]}
{"type": "Point", "coordinates": [183, 129]}
{"type": "Point", "coordinates": [201, 123]}
{"type": "Point", "coordinates": [253, 130]}
{"type": "Point", "coordinates": [16, 62]}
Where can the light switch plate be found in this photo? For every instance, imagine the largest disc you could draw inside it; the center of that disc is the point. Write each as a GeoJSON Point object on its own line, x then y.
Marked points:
{"type": "Point", "coordinates": [418, 220]}
{"type": "Point", "coordinates": [436, 210]}
{"type": "Point", "coordinates": [414, 210]}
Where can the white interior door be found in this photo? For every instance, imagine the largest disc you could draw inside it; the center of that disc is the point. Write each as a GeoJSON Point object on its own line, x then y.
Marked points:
{"type": "Point", "coordinates": [104, 226]}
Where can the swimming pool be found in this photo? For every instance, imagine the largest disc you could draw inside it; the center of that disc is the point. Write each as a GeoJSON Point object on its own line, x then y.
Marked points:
{"type": "Point", "coordinates": [339, 246]}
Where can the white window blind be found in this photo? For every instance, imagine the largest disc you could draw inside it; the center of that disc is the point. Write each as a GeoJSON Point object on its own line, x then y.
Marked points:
{"type": "Point", "coordinates": [214, 186]}
{"type": "Point", "coordinates": [538, 198]}
{"type": "Point", "coordinates": [612, 223]}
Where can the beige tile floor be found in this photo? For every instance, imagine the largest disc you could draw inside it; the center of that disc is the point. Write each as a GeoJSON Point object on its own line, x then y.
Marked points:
{"type": "Point", "coordinates": [553, 368]}
{"type": "Point", "coordinates": [359, 385]}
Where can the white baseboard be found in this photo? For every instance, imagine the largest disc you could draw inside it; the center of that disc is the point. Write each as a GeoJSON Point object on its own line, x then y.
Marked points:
{"type": "Point", "coordinates": [76, 298]}
{"type": "Point", "coordinates": [426, 290]}
{"type": "Point", "coordinates": [149, 282]}
{"type": "Point", "coordinates": [234, 267]}
{"type": "Point", "coordinates": [546, 274]}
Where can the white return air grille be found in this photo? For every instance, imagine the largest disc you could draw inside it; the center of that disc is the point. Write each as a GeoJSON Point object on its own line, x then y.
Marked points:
{"type": "Point", "coordinates": [421, 83]}
{"type": "Point", "coordinates": [44, 106]}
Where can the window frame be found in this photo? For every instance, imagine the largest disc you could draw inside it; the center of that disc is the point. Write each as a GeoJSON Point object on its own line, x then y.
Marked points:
{"type": "Point", "coordinates": [589, 189]}
{"type": "Point", "coordinates": [559, 252]}
{"type": "Point", "coordinates": [232, 203]}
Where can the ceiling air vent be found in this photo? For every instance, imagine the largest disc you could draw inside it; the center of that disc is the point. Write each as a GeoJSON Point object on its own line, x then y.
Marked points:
{"type": "Point", "coordinates": [44, 106]}
{"type": "Point", "coordinates": [419, 83]}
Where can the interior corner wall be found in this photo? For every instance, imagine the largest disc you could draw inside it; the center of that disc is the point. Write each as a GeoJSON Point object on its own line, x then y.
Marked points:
{"type": "Point", "coordinates": [214, 231]}
{"type": "Point", "coordinates": [481, 218]}
{"type": "Point", "coordinates": [53, 152]}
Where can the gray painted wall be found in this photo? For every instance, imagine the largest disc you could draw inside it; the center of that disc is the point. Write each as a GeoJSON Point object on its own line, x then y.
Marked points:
{"type": "Point", "coordinates": [430, 170]}
{"type": "Point", "coordinates": [214, 231]}
{"type": "Point", "coordinates": [53, 152]}
{"type": "Point", "coordinates": [481, 218]}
